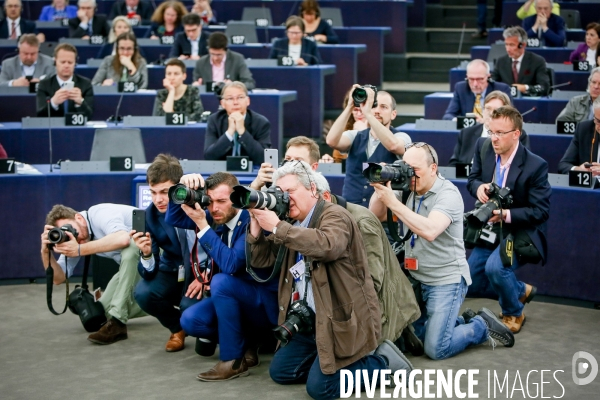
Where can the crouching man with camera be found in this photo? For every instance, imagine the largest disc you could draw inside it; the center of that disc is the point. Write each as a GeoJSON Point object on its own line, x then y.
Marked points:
{"type": "Point", "coordinates": [517, 205]}
{"type": "Point", "coordinates": [328, 310]}
{"type": "Point", "coordinates": [435, 253]}
{"type": "Point", "coordinates": [102, 230]}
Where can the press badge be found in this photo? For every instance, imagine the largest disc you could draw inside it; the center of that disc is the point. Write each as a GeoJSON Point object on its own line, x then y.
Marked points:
{"type": "Point", "coordinates": [297, 270]}
{"type": "Point", "coordinates": [181, 274]}
{"type": "Point", "coordinates": [411, 263]}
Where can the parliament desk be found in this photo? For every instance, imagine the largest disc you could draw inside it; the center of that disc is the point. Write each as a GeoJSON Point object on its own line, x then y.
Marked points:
{"type": "Point", "coordinates": [54, 34]}
{"type": "Point", "coordinates": [589, 12]}
{"type": "Point", "coordinates": [269, 104]}
{"type": "Point", "coordinates": [571, 270]}
{"type": "Point", "coordinates": [550, 147]}
{"type": "Point", "coordinates": [550, 54]}
{"type": "Point", "coordinates": [573, 35]}
{"type": "Point", "coordinates": [578, 79]}
{"type": "Point", "coordinates": [546, 112]}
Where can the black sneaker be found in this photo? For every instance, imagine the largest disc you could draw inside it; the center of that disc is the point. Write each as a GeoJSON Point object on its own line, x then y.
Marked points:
{"type": "Point", "coordinates": [468, 314]}
{"type": "Point", "coordinates": [496, 329]}
{"type": "Point", "coordinates": [411, 342]}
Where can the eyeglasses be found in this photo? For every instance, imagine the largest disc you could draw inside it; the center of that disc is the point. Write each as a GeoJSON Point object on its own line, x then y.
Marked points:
{"type": "Point", "coordinates": [215, 55]}
{"type": "Point", "coordinates": [125, 48]}
{"type": "Point", "coordinates": [596, 121]}
{"type": "Point", "coordinates": [231, 99]}
{"type": "Point", "coordinates": [499, 134]}
{"type": "Point", "coordinates": [294, 32]}
{"type": "Point", "coordinates": [422, 144]}
{"type": "Point", "coordinates": [476, 79]}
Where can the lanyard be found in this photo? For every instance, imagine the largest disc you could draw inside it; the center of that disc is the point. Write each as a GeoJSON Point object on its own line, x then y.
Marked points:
{"type": "Point", "coordinates": [500, 173]}
{"type": "Point", "coordinates": [412, 239]}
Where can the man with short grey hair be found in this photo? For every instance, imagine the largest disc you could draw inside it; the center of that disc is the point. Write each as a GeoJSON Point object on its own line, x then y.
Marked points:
{"type": "Point", "coordinates": [13, 25]}
{"type": "Point", "coordinates": [28, 66]}
{"type": "Point", "coordinates": [547, 27]}
{"type": "Point", "coordinates": [579, 108]}
{"type": "Point", "coordinates": [87, 23]}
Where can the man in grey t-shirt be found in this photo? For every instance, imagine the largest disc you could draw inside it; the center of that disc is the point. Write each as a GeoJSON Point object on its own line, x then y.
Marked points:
{"type": "Point", "coordinates": [102, 230]}
{"type": "Point", "coordinates": [435, 257]}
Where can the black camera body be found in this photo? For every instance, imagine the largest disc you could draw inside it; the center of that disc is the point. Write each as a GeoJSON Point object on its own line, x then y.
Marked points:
{"type": "Point", "coordinates": [273, 199]}
{"type": "Point", "coordinates": [181, 194]}
{"type": "Point", "coordinates": [218, 88]}
{"type": "Point", "coordinates": [359, 95]}
{"type": "Point", "coordinates": [300, 319]}
{"type": "Point", "coordinates": [59, 235]}
{"type": "Point", "coordinates": [399, 174]}
{"type": "Point", "coordinates": [499, 198]}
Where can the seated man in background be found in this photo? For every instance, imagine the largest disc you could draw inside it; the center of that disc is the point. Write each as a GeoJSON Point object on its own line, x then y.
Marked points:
{"type": "Point", "coordinates": [523, 69]}
{"type": "Point", "coordinates": [88, 23]}
{"type": "Point", "coordinates": [222, 64]}
{"type": "Point", "coordinates": [102, 230]}
{"type": "Point", "coordinates": [374, 144]}
{"type": "Point", "coordinates": [582, 153]}
{"type": "Point", "coordinates": [579, 108]}
{"type": "Point", "coordinates": [28, 66]}
{"type": "Point", "coordinates": [467, 137]}
{"type": "Point", "coordinates": [165, 255]}
{"type": "Point", "coordinates": [545, 25]}
{"type": "Point", "coordinates": [13, 25]}
{"type": "Point", "coordinates": [137, 12]}
{"type": "Point", "coordinates": [65, 91]}
{"type": "Point", "coordinates": [468, 96]}
{"type": "Point", "coordinates": [236, 130]}
{"type": "Point", "coordinates": [191, 43]}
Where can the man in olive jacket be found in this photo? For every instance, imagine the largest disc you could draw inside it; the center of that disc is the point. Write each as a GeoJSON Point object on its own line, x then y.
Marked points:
{"type": "Point", "coordinates": [337, 288]}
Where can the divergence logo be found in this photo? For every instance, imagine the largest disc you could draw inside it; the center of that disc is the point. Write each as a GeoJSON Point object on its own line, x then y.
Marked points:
{"type": "Point", "coordinates": [580, 368]}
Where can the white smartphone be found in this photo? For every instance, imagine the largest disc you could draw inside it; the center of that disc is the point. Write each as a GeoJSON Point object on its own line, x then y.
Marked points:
{"type": "Point", "coordinates": [272, 157]}
{"type": "Point", "coordinates": [69, 85]}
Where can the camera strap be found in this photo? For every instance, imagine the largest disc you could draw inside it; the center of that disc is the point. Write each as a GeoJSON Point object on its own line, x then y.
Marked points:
{"type": "Point", "coordinates": [50, 284]}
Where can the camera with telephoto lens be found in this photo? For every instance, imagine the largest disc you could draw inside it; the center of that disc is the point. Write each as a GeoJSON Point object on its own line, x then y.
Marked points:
{"type": "Point", "coordinates": [359, 95]}
{"type": "Point", "coordinates": [181, 194]}
{"type": "Point", "coordinates": [273, 199]}
{"type": "Point", "coordinates": [59, 235]}
{"type": "Point", "coordinates": [498, 198]}
{"type": "Point", "coordinates": [300, 319]}
{"type": "Point", "coordinates": [398, 173]}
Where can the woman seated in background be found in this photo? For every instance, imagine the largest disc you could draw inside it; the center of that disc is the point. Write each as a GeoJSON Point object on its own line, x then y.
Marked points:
{"type": "Point", "coordinates": [166, 20]}
{"type": "Point", "coordinates": [528, 9]}
{"type": "Point", "coordinates": [206, 13]}
{"type": "Point", "coordinates": [316, 28]}
{"type": "Point", "coordinates": [303, 51]}
{"type": "Point", "coordinates": [588, 51]}
{"type": "Point", "coordinates": [58, 10]}
{"type": "Point", "coordinates": [119, 25]}
{"type": "Point", "coordinates": [125, 66]}
{"type": "Point", "coordinates": [177, 96]}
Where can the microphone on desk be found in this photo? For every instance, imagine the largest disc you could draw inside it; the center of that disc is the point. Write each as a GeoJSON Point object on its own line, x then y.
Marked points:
{"type": "Point", "coordinates": [462, 36]}
{"type": "Point", "coordinates": [265, 16]}
{"type": "Point", "coordinates": [285, 52]}
{"type": "Point", "coordinates": [532, 109]}
{"type": "Point", "coordinates": [49, 131]}
{"type": "Point", "coordinates": [560, 85]}
{"type": "Point", "coordinates": [115, 118]}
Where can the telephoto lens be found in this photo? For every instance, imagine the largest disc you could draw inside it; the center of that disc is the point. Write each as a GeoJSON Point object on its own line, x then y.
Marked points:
{"type": "Point", "coordinates": [398, 173]}
{"type": "Point", "coordinates": [273, 199]}
{"type": "Point", "coordinates": [181, 194]}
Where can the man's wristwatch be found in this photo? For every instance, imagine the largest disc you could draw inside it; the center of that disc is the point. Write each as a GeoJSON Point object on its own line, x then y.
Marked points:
{"type": "Point", "coordinates": [144, 256]}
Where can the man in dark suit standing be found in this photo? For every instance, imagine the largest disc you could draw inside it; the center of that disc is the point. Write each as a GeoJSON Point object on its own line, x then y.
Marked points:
{"type": "Point", "coordinates": [468, 96]}
{"type": "Point", "coordinates": [235, 130]}
{"type": "Point", "coordinates": [508, 164]}
{"type": "Point", "coordinates": [583, 148]}
{"type": "Point", "coordinates": [522, 69]}
{"type": "Point", "coordinates": [87, 23]}
{"type": "Point", "coordinates": [138, 12]}
{"type": "Point", "coordinates": [164, 255]}
{"type": "Point", "coordinates": [65, 91]}
{"type": "Point", "coordinates": [548, 27]}
{"type": "Point", "coordinates": [13, 26]}
{"type": "Point", "coordinates": [191, 43]}
{"type": "Point", "coordinates": [222, 64]}
{"type": "Point", "coordinates": [467, 137]}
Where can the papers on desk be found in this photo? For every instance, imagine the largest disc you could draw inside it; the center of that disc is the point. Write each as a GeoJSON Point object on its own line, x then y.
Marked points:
{"type": "Point", "coordinates": [26, 169]}
{"type": "Point", "coordinates": [96, 124]}
{"type": "Point", "coordinates": [265, 90]}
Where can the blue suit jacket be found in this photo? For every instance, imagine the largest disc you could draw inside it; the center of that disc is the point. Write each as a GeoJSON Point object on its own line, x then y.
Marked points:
{"type": "Point", "coordinates": [309, 51]}
{"type": "Point", "coordinates": [528, 182]}
{"type": "Point", "coordinates": [26, 27]}
{"type": "Point", "coordinates": [463, 99]}
{"type": "Point", "coordinates": [163, 237]}
{"type": "Point", "coordinates": [555, 36]}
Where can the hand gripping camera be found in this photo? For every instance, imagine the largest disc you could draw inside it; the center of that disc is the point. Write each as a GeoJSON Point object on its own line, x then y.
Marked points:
{"type": "Point", "coordinates": [273, 199]}
{"type": "Point", "coordinates": [59, 235]}
{"type": "Point", "coordinates": [181, 194]}
{"type": "Point", "coordinates": [399, 173]}
{"type": "Point", "coordinates": [475, 221]}
{"type": "Point", "coordinates": [359, 95]}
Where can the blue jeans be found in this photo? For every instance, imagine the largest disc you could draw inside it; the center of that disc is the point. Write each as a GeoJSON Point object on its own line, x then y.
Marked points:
{"type": "Point", "coordinates": [442, 332]}
{"type": "Point", "coordinates": [493, 280]}
{"type": "Point", "coordinates": [298, 362]}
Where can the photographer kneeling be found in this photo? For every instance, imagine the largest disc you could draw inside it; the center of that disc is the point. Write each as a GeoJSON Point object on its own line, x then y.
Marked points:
{"type": "Point", "coordinates": [435, 253]}
{"type": "Point", "coordinates": [519, 180]}
{"type": "Point", "coordinates": [328, 310]}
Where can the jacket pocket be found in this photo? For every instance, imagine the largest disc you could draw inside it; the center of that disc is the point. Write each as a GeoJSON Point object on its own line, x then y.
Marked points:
{"type": "Point", "coordinates": [348, 335]}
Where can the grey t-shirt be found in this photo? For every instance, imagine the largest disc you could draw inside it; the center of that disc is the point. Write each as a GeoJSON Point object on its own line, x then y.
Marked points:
{"type": "Point", "coordinates": [443, 260]}
{"type": "Point", "coordinates": [103, 219]}
{"type": "Point", "coordinates": [374, 142]}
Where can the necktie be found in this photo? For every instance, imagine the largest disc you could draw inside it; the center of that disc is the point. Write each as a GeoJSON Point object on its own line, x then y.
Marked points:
{"type": "Point", "coordinates": [477, 105]}
{"type": "Point", "coordinates": [515, 72]}
{"type": "Point", "coordinates": [236, 144]}
{"type": "Point", "coordinates": [13, 35]}
{"type": "Point", "coordinates": [66, 103]}
{"type": "Point", "coordinates": [225, 235]}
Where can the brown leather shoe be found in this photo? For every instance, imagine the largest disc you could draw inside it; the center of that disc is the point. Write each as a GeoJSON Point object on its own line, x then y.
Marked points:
{"type": "Point", "coordinates": [251, 357]}
{"type": "Point", "coordinates": [530, 292]}
{"type": "Point", "coordinates": [514, 323]}
{"type": "Point", "coordinates": [111, 332]}
{"type": "Point", "coordinates": [176, 342]}
{"type": "Point", "coordinates": [224, 371]}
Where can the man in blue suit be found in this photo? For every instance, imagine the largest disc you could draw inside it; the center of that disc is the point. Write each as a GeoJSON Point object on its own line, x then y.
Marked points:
{"type": "Point", "coordinates": [548, 27]}
{"type": "Point", "coordinates": [469, 95]}
{"type": "Point", "coordinates": [239, 308]}
{"type": "Point", "coordinates": [164, 274]}
{"type": "Point", "coordinates": [501, 159]}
